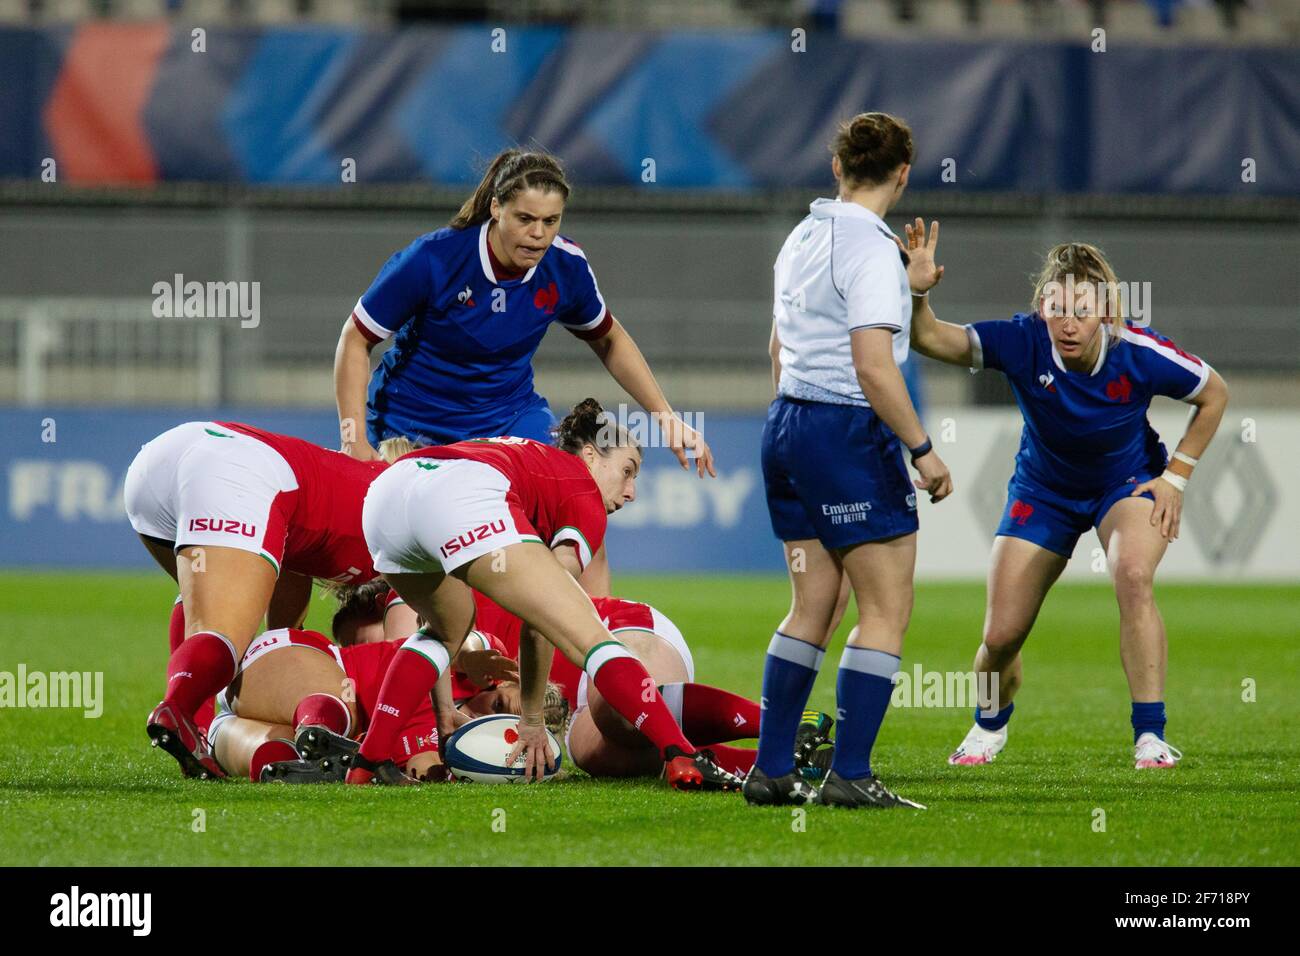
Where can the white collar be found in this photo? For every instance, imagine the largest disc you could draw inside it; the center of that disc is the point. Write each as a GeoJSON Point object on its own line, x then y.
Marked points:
{"type": "Point", "coordinates": [486, 261]}
{"type": "Point", "coordinates": [832, 208]}
{"type": "Point", "coordinates": [1101, 352]}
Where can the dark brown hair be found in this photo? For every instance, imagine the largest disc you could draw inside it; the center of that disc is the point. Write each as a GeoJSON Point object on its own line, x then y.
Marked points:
{"type": "Point", "coordinates": [357, 605]}
{"type": "Point", "coordinates": [589, 424]}
{"type": "Point", "coordinates": [513, 171]}
{"type": "Point", "coordinates": [871, 146]}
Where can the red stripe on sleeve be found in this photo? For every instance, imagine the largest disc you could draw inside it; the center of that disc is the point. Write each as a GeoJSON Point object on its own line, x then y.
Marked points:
{"type": "Point", "coordinates": [599, 331]}
{"type": "Point", "coordinates": [370, 336]}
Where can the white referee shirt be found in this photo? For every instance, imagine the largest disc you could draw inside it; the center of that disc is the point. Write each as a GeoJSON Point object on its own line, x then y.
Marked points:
{"type": "Point", "coordinates": [838, 271]}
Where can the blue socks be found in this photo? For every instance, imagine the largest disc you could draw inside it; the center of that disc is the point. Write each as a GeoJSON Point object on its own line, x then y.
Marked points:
{"type": "Point", "coordinates": [997, 721]}
{"type": "Point", "coordinates": [788, 678]}
{"type": "Point", "coordinates": [1149, 719]}
{"type": "Point", "coordinates": [862, 690]}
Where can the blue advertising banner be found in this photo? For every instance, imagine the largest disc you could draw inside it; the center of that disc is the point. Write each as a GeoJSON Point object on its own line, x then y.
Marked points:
{"type": "Point", "coordinates": [63, 474]}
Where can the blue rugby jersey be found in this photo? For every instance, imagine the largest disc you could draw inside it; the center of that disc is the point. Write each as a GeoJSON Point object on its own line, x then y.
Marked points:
{"type": "Point", "coordinates": [1086, 432]}
{"type": "Point", "coordinates": [461, 364]}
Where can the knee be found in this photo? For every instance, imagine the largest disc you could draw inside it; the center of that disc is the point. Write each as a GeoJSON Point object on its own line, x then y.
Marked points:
{"type": "Point", "coordinates": [1134, 581]}
{"type": "Point", "coordinates": [1002, 641]}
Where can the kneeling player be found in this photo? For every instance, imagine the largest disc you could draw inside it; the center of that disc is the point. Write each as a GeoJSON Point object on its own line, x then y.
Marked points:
{"type": "Point", "coordinates": [604, 744]}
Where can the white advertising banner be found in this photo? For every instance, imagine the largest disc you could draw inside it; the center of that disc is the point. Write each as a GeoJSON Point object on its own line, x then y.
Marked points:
{"type": "Point", "coordinates": [1240, 522]}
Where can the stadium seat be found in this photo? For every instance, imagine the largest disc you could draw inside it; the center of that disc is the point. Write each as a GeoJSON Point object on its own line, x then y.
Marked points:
{"type": "Point", "coordinates": [275, 11]}
{"type": "Point", "coordinates": [340, 11]}
{"type": "Point", "coordinates": [1199, 23]}
{"type": "Point", "coordinates": [944, 17]}
{"type": "Point", "coordinates": [1000, 18]}
{"type": "Point", "coordinates": [14, 11]}
{"type": "Point", "coordinates": [869, 18]}
{"type": "Point", "coordinates": [68, 11]}
{"type": "Point", "coordinates": [1135, 22]}
{"type": "Point", "coordinates": [139, 9]}
{"type": "Point", "coordinates": [207, 12]}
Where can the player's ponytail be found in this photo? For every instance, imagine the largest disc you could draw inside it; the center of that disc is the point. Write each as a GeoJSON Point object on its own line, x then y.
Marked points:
{"type": "Point", "coordinates": [871, 146]}
{"type": "Point", "coordinates": [511, 172]}
{"type": "Point", "coordinates": [589, 424]}
{"type": "Point", "coordinates": [1079, 262]}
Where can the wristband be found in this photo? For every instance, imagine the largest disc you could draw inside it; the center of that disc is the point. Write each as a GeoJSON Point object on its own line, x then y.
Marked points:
{"type": "Point", "coordinates": [1178, 481]}
{"type": "Point", "coordinates": [922, 449]}
{"type": "Point", "coordinates": [920, 295]}
{"type": "Point", "coordinates": [1186, 459]}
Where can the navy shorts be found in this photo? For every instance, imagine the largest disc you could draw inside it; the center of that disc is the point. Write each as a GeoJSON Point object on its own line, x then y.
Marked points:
{"type": "Point", "coordinates": [834, 473]}
{"type": "Point", "coordinates": [1055, 521]}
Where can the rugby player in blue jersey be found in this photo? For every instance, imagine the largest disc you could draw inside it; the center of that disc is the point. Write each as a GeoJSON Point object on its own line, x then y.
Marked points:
{"type": "Point", "coordinates": [1084, 379]}
{"type": "Point", "coordinates": [468, 306]}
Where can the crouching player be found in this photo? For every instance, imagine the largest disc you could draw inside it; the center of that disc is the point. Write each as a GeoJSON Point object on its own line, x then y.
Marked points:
{"type": "Point", "coordinates": [1089, 459]}
{"type": "Point", "coordinates": [223, 508]}
{"type": "Point", "coordinates": [602, 743]}
{"type": "Point", "coordinates": [518, 521]}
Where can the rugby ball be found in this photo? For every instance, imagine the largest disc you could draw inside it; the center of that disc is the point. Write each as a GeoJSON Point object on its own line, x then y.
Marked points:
{"type": "Point", "coordinates": [478, 751]}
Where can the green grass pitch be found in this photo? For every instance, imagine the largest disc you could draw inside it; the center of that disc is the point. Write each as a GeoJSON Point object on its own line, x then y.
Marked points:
{"type": "Point", "coordinates": [77, 791]}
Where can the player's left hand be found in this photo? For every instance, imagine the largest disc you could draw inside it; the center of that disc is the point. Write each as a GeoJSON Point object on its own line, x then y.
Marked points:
{"type": "Point", "coordinates": [680, 437]}
{"type": "Point", "coordinates": [922, 273]}
{"type": "Point", "coordinates": [1168, 508]}
{"type": "Point", "coordinates": [486, 668]}
{"type": "Point", "coordinates": [534, 743]}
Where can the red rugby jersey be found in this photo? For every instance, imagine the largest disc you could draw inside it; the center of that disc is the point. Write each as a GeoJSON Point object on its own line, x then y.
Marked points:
{"type": "Point", "coordinates": [323, 536]}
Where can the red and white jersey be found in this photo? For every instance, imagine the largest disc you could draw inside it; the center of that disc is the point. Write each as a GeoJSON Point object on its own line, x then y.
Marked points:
{"type": "Point", "coordinates": [551, 492]}
{"type": "Point", "coordinates": [323, 536]}
{"type": "Point", "coordinates": [619, 615]}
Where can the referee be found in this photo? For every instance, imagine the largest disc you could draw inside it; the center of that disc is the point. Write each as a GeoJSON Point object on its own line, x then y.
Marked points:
{"type": "Point", "coordinates": [838, 491]}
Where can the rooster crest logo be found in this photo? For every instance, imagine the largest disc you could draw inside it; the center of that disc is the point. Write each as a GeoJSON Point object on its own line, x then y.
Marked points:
{"type": "Point", "coordinates": [466, 296]}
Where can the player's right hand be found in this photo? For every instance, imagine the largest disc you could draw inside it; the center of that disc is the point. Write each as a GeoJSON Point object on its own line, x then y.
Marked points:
{"type": "Point", "coordinates": [934, 476]}
{"type": "Point", "coordinates": [534, 743]}
{"type": "Point", "coordinates": [923, 274]}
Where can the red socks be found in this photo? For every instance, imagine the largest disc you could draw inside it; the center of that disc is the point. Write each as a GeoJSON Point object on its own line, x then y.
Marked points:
{"type": "Point", "coordinates": [411, 675]}
{"type": "Point", "coordinates": [323, 710]}
{"type": "Point", "coordinates": [269, 751]}
{"type": "Point", "coordinates": [709, 715]}
{"type": "Point", "coordinates": [198, 669]}
{"type": "Point", "coordinates": [176, 626]}
{"type": "Point", "coordinates": [175, 637]}
{"type": "Point", "coordinates": [737, 760]}
{"type": "Point", "coordinates": [630, 690]}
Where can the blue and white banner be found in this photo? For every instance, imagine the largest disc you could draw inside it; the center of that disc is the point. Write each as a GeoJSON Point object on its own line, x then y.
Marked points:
{"type": "Point", "coordinates": [62, 474]}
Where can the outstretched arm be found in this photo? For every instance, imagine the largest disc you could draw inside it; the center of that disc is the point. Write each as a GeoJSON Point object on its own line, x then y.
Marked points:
{"type": "Point", "coordinates": [620, 355]}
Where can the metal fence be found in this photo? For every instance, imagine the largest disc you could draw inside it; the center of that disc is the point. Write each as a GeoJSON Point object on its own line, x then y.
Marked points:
{"type": "Point", "coordinates": [690, 275]}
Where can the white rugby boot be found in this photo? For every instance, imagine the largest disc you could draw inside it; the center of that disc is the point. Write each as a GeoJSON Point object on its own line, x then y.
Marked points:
{"type": "Point", "coordinates": [1151, 752]}
{"type": "Point", "coordinates": [980, 747]}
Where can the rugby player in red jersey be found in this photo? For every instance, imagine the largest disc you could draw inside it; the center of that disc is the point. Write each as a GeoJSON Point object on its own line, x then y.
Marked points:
{"type": "Point", "coordinates": [518, 521]}
{"type": "Point", "coordinates": [224, 508]}
{"type": "Point", "coordinates": [293, 682]}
